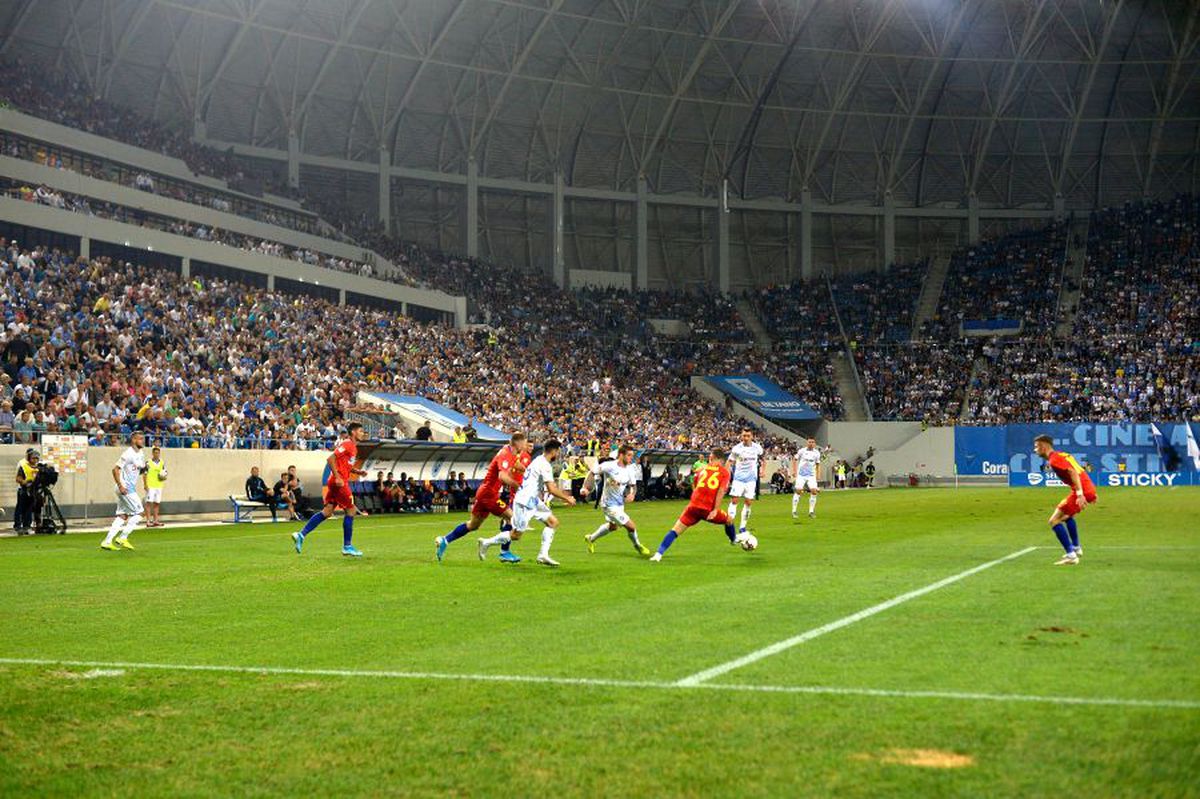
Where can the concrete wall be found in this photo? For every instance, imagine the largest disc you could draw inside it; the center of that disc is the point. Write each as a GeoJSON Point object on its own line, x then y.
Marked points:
{"type": "Point", "coordinates": [900, 447]}
{"type": "Point", "coordinates": [198, 480]}
{"type": "Point", "coordinates": [90, 227]}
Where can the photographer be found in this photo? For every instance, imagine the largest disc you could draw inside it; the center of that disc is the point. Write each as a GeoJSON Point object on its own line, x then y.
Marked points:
{"type": "Point", "coordinates": [27, 470]}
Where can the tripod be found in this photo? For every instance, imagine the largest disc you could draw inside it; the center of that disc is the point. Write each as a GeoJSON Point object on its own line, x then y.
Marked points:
{"type": "Point", "coordinates": [50, 520]}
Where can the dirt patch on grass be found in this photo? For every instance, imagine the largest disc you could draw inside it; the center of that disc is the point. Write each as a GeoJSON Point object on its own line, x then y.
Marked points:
{"type": "Point", "coordinates": [311, 685]}
{"type": "Point", "coordinates": [921, 758]}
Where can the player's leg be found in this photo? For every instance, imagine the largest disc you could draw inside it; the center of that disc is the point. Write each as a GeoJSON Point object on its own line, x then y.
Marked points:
{"type": "Point", "coordinates": [133, 515]}
{"type": "Point", "coordinates": [796, 489]}
{"type": "Point", "coordinates": [506, 526]}
{"type": "Point", "coordinates": [118, 523]}
{"type": "Point", "coordinates": [631, 531]}
{"type": "Point", "coordinates": [551, 522]}
{"type": "Point", "coordinates": [348, 548]}
{"type": "Point", "coordinates": [519, 524]}
{"type": "Point", "coordinates": [313, 522]}
{"type": "Point", "coordinates": [478, 517]}
{"type": "Point", "coordinates": [604, 529]}
{"type": "Point", "coordinates": [747, 502]}
{"type": "Point", "coordinates": [1073, 531]}
{"type": "Point", "coordinates": [813, 491]}
{"type": "Point", "coordinates": [677, 529]}
{"type": "Point", "coordinates": [1058, 524]}
{"type": "Point", "coordinates": [726, 521]}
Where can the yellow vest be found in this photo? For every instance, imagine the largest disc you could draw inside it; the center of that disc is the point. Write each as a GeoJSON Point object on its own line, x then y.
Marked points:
{"type": "Point", "coordinates": [460, 438]}
{"type": "Point", "coordinates": [154, 471]}
{"type": "Point", "coordinates": [27, 470]}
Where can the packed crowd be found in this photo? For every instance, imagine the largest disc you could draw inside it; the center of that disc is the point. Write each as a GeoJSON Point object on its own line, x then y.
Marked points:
{"type": "Point", "coordinates": [1135, 352]}
{"type": "Point", "coordinates": [878, 307]}
{"type": "Point", "coordinates": [1014, 277]}
{"type": "Point", "coordinates": [919, 381]}
{"type": "Point", "coordinates": [105, 347]}
{"type": "Point", "coordinates": [66, 201]}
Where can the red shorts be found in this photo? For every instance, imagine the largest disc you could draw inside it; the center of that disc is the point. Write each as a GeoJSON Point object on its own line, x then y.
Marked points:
{"type": "Point", "coordinates": [489, 505]}
{"type": "Point", "coordinates": [339, 496]}
{"type": "Point", "coordinates": [1070, 505]}
{"type": "Point", "coordinates": [694, 514]}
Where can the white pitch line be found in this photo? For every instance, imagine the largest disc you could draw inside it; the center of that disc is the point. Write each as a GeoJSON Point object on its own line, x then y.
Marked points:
{"type": "Point", "coordinates": [588, 682]}
{"type": "Point", "coordinates": [845, 621]}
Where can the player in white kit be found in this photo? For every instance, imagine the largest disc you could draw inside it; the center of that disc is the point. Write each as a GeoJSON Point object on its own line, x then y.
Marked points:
{"type": "Point", "coordinates": [746, 463]}
{"type": "Point", "coordinates": [806, 476]}
{"type": "Point", "coordinates": [620, 486]}
{"type": "Point", "coordinates": [129, 467]}
{"type": "Point", "coordinates": [529, 504]}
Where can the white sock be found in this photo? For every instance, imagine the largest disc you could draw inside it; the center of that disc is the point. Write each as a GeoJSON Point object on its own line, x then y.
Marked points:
{"type": "Point", "coordinates": [601, 531]}
{"type": "Point", "coordinates": [497, 539]}
{"type": "Point", "coordinates": [547, 540]}
{"type": "Point", "coordinates": [117, 524]}
{"type": "Point", "coordinates": [634, 538]}
{"type": "Point", "coordinates": [745, 515]}
{"type": "Point", "coordinates": [732, 509]}
{"type": "Point", "coordinates": [812, 503]}
{"type": "Point", "coordinates": [129, 526]}
{"type": "Point", "coordinates": [795, 502]}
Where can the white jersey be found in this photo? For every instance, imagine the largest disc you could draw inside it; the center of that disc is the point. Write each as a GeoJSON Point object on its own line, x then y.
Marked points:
{"type": "Point", "coordinates": [618, 480]}
{"type": "Point", "coordinates": [745, 459]}
{"type": "Point", "coordinates": [806, 462]}
{"type": "Point", "coordinates": [132, 464]}
{"type": "Point", "coordinates": [538, 475]}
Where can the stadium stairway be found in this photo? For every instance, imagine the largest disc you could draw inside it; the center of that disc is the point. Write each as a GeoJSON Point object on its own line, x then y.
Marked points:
{"type": "Point", "coordinates": [967, 411]}
{"type": "Point", "coordinates": [1069, 293]}
{"type": "Point", "coordinates": [846, 380]}
{"type": "Point", "coordinates": [753, 322]}
{"type": "Point", "coordinates": [931, 292]}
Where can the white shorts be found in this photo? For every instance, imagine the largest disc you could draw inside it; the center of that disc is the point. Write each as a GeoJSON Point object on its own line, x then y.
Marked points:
{"type": "Point", "coordinates": [809, 482]}
{"type": "Point", "coordinates": [154, 495]}
{"type": "Point", "coordinates": [744, 489]}
{"type": "Point", "coordinates": [129, 504]}
{"type": "Point", "coordinates": [616, 515]}
{"type": "Point", "coordinates": [524, 517]}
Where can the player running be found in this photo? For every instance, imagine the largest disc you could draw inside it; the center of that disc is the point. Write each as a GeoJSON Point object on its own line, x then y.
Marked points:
{"type": "Point", "coordinates": [1083, 493]}
{"type": "Point", "coordinates": [619, 486]}
{"type": "Point", "coordinates": [748, 464]}
{"type": "Point", "coordinates": [337, 491]}
{"type": "Point", "coordinates": [506, 470]}
{"type": "Point", "coordinates": [806, 476]}
{"type": "Point", "coordinates": [529, 505]}
{"type": "Point", "coordinates": [711, 483]}
{"type": "Point", "coordinates": [129, 466]}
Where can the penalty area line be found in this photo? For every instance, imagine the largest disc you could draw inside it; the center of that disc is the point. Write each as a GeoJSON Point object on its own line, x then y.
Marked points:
{"type": "Point", "coordinates": [701, 677]}
{"type": "Point", "coordinates": [589, 682]}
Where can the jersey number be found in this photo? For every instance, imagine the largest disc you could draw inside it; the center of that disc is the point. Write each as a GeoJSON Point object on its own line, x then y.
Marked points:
{"type": "Point", "coordinates": [711, 480]}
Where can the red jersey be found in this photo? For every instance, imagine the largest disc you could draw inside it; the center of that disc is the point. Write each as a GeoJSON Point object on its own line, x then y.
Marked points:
{"type": "Point", "coordinates": [709, 480]}
{"type": "Point", "coordinates": [1064, 464]}
{"type": "Point", "coordinates": [505, 461]}
{"type": "Point", "coordinates": [344, 455]}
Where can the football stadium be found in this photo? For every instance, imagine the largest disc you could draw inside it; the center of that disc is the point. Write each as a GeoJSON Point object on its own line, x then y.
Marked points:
{"type": "Point", "coordinates": [600, 398]}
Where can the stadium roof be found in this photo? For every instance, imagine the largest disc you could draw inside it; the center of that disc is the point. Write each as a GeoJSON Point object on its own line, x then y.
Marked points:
{"type": "Point", "coordinates": [932, 100]}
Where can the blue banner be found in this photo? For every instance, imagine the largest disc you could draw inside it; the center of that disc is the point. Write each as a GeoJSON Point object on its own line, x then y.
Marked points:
{"type": "Point", "coordinates": [980, 450]}
{"type": "Point", "coordinates": [763, 397]}
{"type": "Point", "coordinates": [1114, 454]}
{"type": "Point", "coordinates": [428, 409]}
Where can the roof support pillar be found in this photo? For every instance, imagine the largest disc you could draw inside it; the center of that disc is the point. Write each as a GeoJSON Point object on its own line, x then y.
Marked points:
{"type": "Point", "coordinates": [722, 255]}
{"type": "Point", "coordinates": [806, 237]}
{"type": "Point", "coordinates": [643, 243]}
{"type": "Point", "coordinates": [385, 188]}
{"type": "Point", "coordinates": [293, 161]}
{"type": "Point", "coordinates": [559, 266]}
{"type": "Point", "coordinates": [889, 230]}
{"type": "Point", "coordinates": [472, 208]}
{"type": "Point", "coordinates": [973, 218]}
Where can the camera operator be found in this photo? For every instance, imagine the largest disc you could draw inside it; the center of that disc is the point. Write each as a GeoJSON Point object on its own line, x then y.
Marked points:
{"type": "Point", "coordinates": [27, 470]}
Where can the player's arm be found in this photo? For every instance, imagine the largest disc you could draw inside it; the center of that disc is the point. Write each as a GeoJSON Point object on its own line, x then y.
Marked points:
{"type": "Point", "coordinates": [335, 479]}
{"type": "Point", "coordinates": [817, 471]}
{"type": "Point", "coordinates": [555, 491]}
{"type": "Point", "coordinates": [589, 483]}
{"type": "Point", "coordinates": [631, 494]}
{"type": "Point", "coordinates": [116, 473]}
{"type": "Point", "coordinates": [1077, 485]}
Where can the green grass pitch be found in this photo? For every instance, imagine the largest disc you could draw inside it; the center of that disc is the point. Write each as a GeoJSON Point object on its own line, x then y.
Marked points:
{"type": "Point", "coordinates": [941, 695]}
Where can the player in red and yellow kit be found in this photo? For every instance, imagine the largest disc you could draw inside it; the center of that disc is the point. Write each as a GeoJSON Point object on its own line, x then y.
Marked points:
{"type": "Point", "coordinates": [337, 495]}
{"type": "Point", "coordinates": [711, 482]}
{"type": "Point", "coordinates": [1083, 493]}
{"type": "Point", "coordinates": [506, 470]}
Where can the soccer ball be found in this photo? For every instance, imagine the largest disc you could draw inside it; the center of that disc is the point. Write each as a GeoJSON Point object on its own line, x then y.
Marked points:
{"type": "Point", "coordinates": [750, 543]}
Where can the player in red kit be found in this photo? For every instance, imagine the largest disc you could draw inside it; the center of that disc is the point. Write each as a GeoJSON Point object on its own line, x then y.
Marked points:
{"type": "Point", "coordinates": [711, 482]}
{"type": "Point", "coordinates": [1083, 493]}
{"type": "Point", "coordinates": [337, 496]}
{"type": "Point", "coordinates": [506, 470]}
